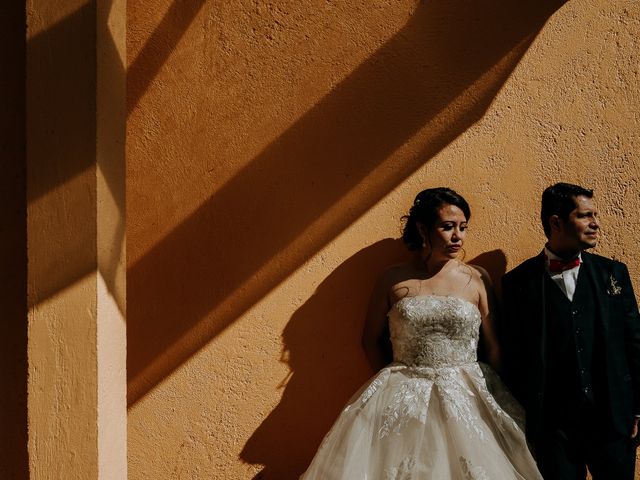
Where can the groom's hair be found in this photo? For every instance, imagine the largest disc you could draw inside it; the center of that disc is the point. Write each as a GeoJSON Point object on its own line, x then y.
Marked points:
{"type": "Point", "coordinates": [560, 199]}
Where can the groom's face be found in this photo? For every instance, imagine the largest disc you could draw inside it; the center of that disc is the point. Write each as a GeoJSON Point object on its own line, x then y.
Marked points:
{"type": "Point", "coordinates": [580, 230]}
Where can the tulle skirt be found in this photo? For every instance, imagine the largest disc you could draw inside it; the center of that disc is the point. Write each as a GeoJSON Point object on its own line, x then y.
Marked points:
{"type": "Point", "coordinates": [410, 423]}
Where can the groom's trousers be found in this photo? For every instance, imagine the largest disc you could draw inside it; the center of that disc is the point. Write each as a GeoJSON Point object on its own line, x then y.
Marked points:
{"type": "Point", "coordinates": [562, 451]}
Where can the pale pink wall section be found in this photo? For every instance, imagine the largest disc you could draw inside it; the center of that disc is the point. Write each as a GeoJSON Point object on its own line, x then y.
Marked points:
{"type": "Point", "coordinates": [111, 239]}
{"type": "Point", "coordinates": [272, 148]}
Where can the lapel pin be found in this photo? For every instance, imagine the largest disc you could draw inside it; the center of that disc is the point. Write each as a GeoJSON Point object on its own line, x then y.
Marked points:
{"type": "Point", "coordinates": [614, 287]}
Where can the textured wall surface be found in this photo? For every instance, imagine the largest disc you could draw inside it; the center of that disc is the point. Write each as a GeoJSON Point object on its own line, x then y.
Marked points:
{"type": "Point", "coordinates": [272, 148]}
{"type": "Point", "coordinates": [61, 224]}
{"type": "Point", "coordinates": [75, 285]}
{"type": "Point", "coordinates": [61, 247]}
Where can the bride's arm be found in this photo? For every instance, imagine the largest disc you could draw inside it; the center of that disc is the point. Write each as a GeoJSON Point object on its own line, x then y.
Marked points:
{"type": "Point", "coordinates": [487, 306]}
{"type": "Point", "coordinates": [375, 335]}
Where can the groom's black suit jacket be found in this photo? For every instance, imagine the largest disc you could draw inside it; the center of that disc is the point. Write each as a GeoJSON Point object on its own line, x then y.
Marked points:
{"type": "Point", "coordinates": [527, 361]}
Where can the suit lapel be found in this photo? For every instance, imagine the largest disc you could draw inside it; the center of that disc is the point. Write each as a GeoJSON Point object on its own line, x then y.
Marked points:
{"type": "Point", "coordinates": [598, 278]}
{"type": "Point", "coordinates": [537, 301]}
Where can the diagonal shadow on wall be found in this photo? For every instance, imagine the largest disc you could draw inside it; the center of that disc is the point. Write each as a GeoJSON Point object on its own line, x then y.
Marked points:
{"type": "Point", "coordinates": [157, 49]}
{"type": "Point", "coordinates": [61, 103]}
{"type": "Point", "coordinates": [442, 71]}
{"type": "Point", "coordinates": [62, 100]}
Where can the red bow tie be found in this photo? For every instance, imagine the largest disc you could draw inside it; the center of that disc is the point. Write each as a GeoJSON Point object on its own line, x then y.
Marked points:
{"type": "Point", "coordinates": [557, 266]}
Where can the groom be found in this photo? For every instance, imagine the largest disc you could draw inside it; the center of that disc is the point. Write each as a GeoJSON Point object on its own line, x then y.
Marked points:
{"type": "Point", "coordinates": [572, 346]}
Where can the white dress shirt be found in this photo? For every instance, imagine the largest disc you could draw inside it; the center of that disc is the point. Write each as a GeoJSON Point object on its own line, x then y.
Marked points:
{"type": "Point", "coordinates": [566, 279]}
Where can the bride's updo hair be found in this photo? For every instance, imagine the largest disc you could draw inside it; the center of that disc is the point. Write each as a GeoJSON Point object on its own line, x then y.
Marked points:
{"type": "Point", "coordinates": [425, 211]}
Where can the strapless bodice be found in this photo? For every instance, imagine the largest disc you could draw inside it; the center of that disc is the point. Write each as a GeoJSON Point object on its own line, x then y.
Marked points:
{"type": "Point", "coordinates": [434, 331]}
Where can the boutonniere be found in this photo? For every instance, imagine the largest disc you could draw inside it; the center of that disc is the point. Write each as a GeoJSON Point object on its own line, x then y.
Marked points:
{"type": "Point", "coordinates": [614, 287]}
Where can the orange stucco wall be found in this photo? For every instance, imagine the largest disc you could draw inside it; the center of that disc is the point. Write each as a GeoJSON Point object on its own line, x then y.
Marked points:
{"type": "Point", "coordinates": [75, 248]}
{"type": "Point", "coordinates": [272, 148]}
{"type": "Point", "coordinates": [61, 213]}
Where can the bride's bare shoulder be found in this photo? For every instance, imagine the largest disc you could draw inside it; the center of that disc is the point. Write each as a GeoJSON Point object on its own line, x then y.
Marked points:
{"type": "Point", "coordinates": [481, 281]}
{"type": "Point", "coordinates": [480, 273]}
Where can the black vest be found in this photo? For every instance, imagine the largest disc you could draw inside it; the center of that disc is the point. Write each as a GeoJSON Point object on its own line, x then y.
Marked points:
{"type": "Point", "coordinates": [575, 370]}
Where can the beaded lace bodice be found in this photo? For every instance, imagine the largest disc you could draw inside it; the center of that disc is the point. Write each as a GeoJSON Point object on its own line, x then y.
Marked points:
{"type": "Point", "coordinates": [434, 331]}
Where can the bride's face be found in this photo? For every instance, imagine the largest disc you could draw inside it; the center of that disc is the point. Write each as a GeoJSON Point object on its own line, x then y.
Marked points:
{"type": "Point", "coordinates": [446, 237]}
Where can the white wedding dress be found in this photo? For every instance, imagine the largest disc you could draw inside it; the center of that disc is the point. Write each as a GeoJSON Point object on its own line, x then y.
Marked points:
{"type": "Point", "coordinates": [434, 413]}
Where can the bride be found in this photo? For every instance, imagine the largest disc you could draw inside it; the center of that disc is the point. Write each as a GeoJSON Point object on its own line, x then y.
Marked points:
{"type": "Point", "coordinates": [434, 412]}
